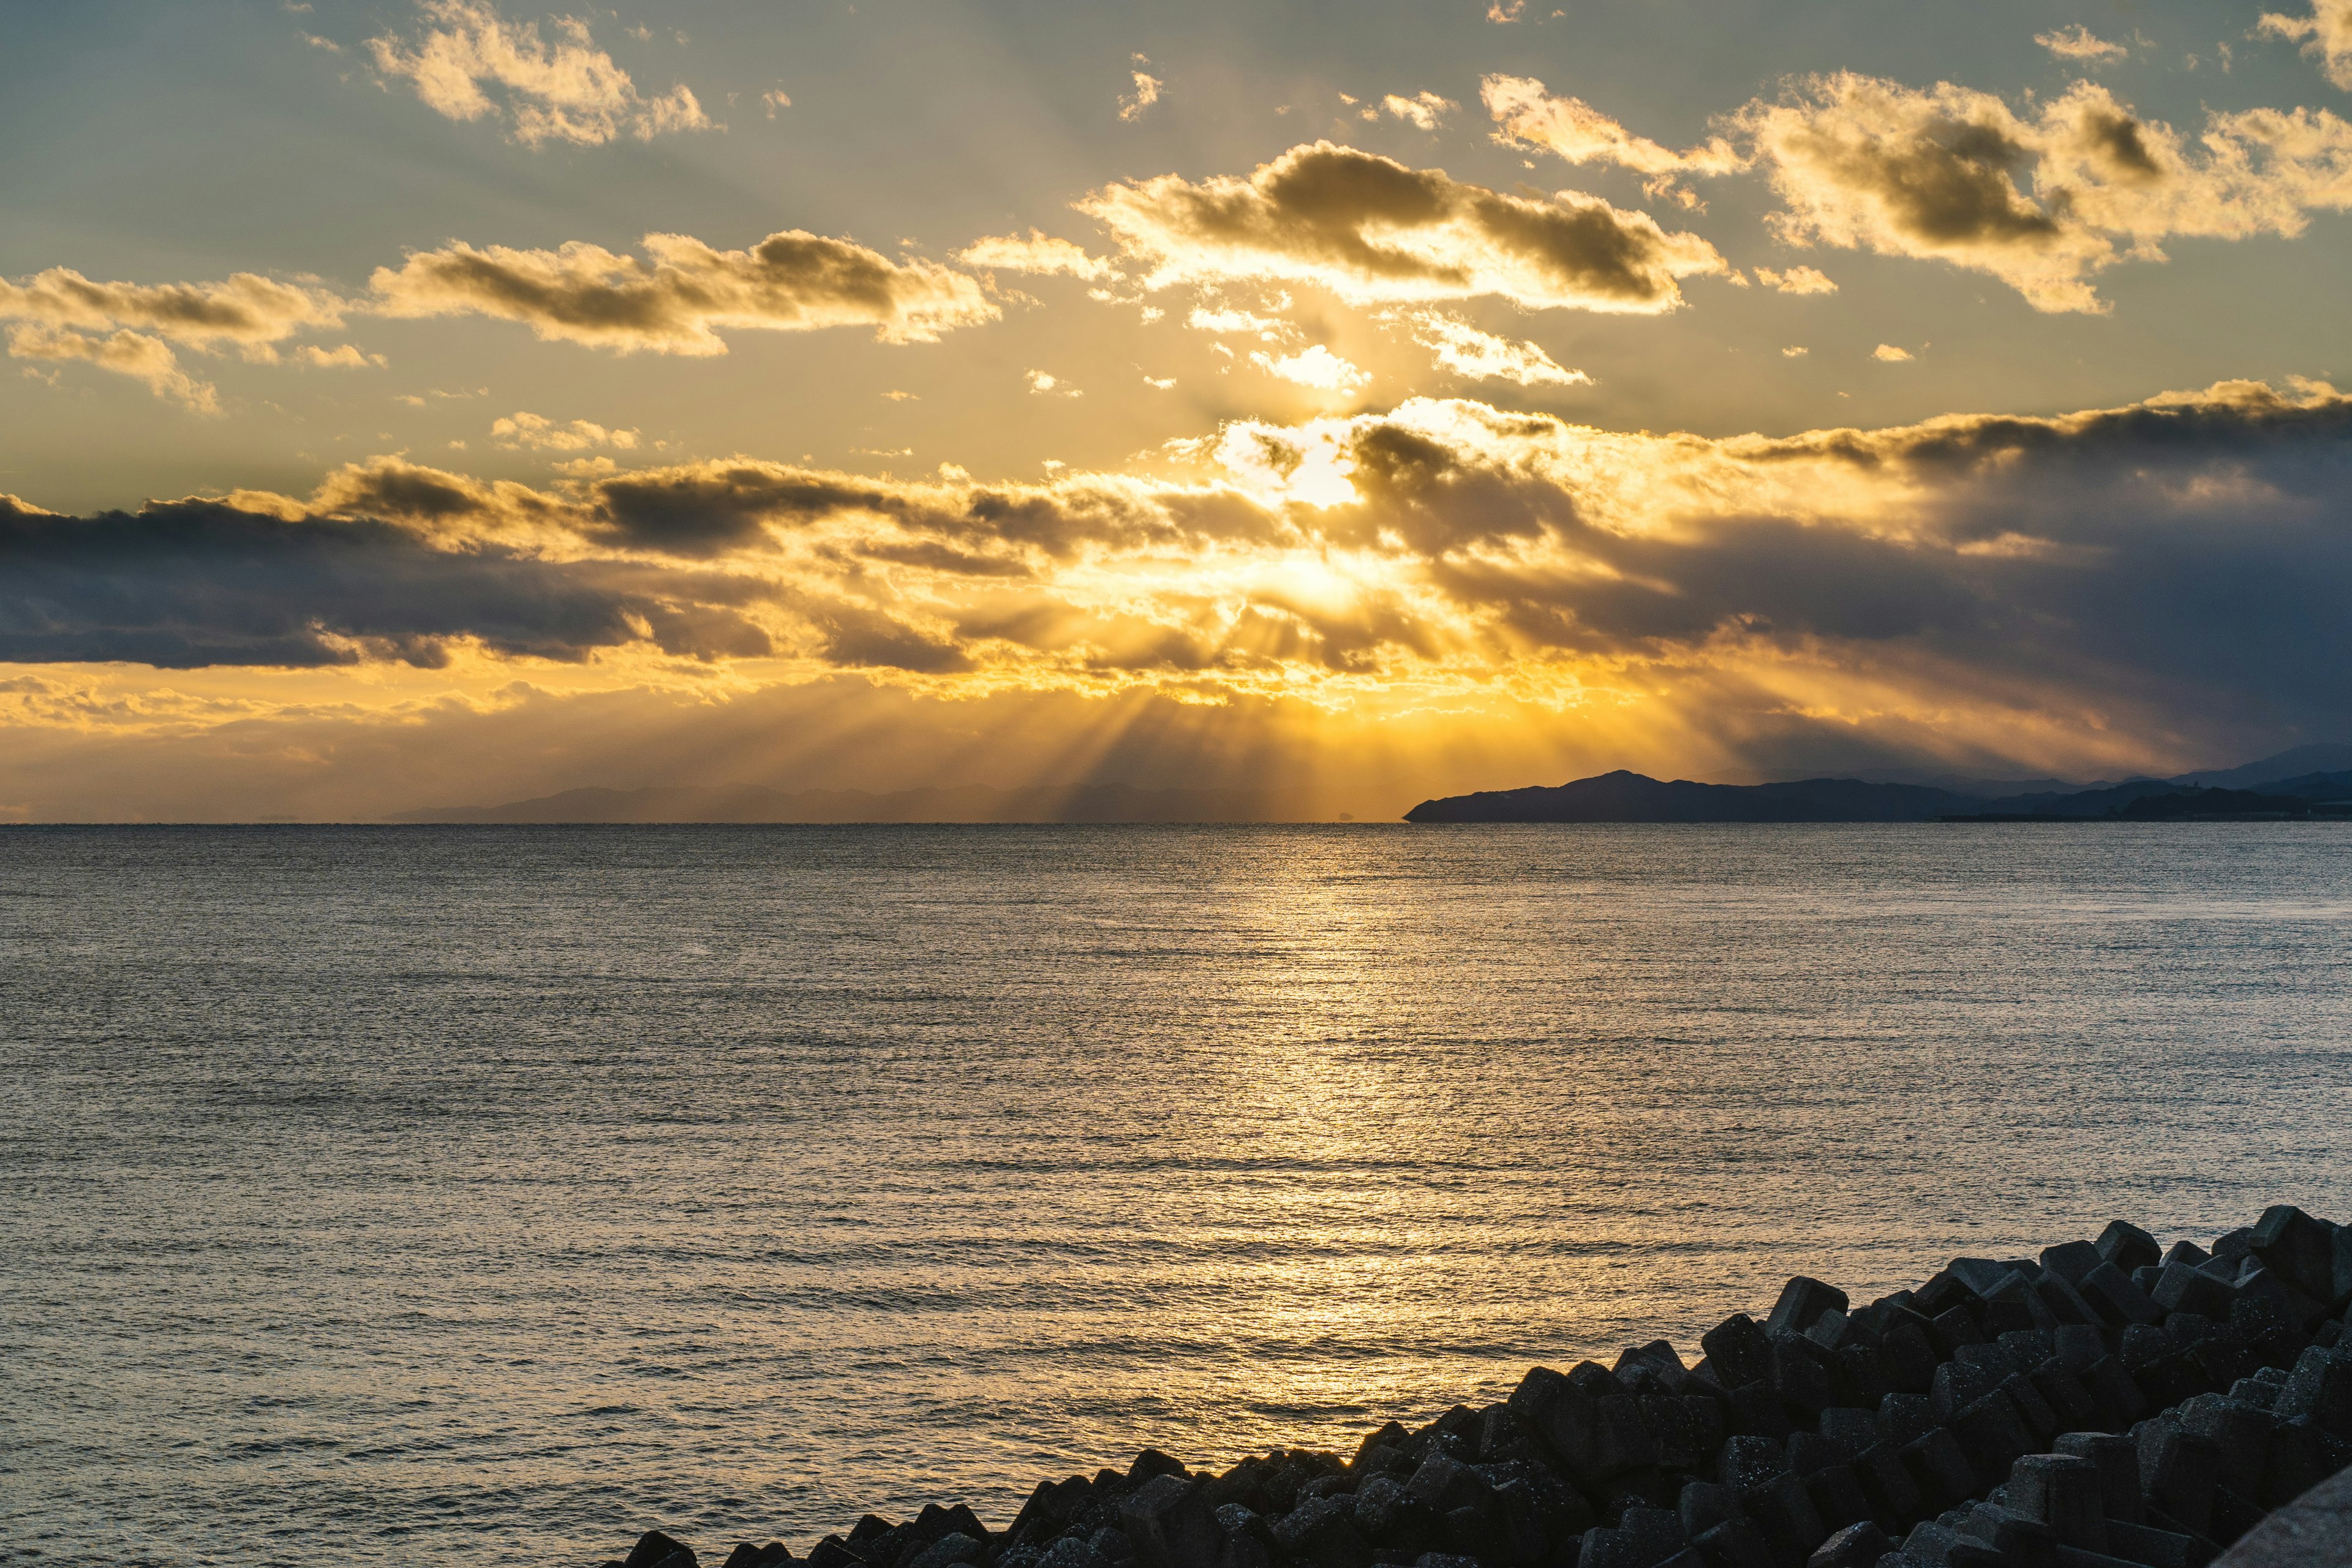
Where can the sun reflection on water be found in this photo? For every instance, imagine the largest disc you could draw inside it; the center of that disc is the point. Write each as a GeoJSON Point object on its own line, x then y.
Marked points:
{"type": "Point", "coordinates": [746, 1180]}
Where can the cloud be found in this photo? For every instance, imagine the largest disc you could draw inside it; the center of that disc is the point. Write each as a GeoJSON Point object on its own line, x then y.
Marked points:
{"type": "Point", "coordinates": [1317, 367]}
{"type": "Point", "coordinates": [2075, 42]}
{"type": "Point", "coordinates": [1796, 281]}
{"type": "Point", "coordinates": [1866, 163]}
{"type": "Point", "coordinates": [1795, 350]}
{"type": "Point", "coordinates": [184, 585]}
{"type": "Point", "coordinates": [2327, 35]}
{"type": "Point", "coordinates": [342, 356]}
{"type": "Point", "coordinates": [1146, 94]}
{"type": "Point", "coordinates": [1424, 109]}
{"type": "Point", "coordinates": [1891, 355]}
{"type": "Point", "coordinates": [1529, 116]}
{"type": "Point", "coordinates": [144, 359]}
{"type": "Point", "coordinates": [1227, 319]}
{"type": "Point", "coordinates": [1373, 231]}
{"type": "Point", "coordinates": [1039, 252]}
{"type": "Point", "coordinates": [131, 328]}
{"type": "Point", "coordinates": [540, 433]}
{"type": "Point", "coordinates": [243, 310]}
{"type": "Point", "coordinates": [567, 91]}
{"type": "Point", "coordinates": [775, 99]}
{"type": "Point", "coordinates": [2041, 202]}
{"type": "Point", "coordinates": [1467, 351]}
{"type": "Point", "coordinates": [791, 281]}
{"type": "Point", "coordinates": [1047, 384]}
{"type": "Point", "coordinates": [2125, 579]}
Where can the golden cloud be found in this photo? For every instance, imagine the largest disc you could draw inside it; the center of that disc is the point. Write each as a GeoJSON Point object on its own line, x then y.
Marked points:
{"type": "Point", "coordinates": [1467, 350]}
{"type": "Point", "coordinates": [2325, 34]}
{"type": "Point", "coordinates": [1797, 280]}
{"type": "Point", "coordinates": [1424, 109]}
{"type": "Point", "coordinates": [130, 327]}
{"type": "Point", "coordinates": [243, 310]}
{"type": "Point", "coordinates": [2042, 203]}
{"type": "Point", "coordinates": [540, 433]}
{"type": "Point", "coordinates": [1372, 230]}
{"type": "Point", "coordinates": [1529, 116]}
{"type": "Point", "coordinates": [144, 359]}
{"type": "Point", "coordinates": [1147, 92]}
{"type": "Point", "coordinates": [2077, 42]}
{"type": "Point", "coordinates": [569, 91]}
{"type": "Point", "coordinates": [791, 281]}
{"type": "Point", "coordinates": [1038, 252]}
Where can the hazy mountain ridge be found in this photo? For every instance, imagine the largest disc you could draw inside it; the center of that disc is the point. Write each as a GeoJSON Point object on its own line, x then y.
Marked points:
{"type": "Point", "coordinates": [1625, 797]}
{"type": "Point", "coordinates": [1618, 797]}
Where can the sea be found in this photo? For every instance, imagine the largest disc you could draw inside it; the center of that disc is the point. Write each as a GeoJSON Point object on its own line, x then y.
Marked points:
{"type": "Point", "coordinates": [493, 1195]}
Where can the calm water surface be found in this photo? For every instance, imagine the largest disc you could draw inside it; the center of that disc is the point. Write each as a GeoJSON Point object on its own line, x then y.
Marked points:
{"type": "Point", "coordinates": [487, 1195]}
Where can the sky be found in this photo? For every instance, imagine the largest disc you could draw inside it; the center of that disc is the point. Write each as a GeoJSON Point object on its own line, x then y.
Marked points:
{"type": "Point", "coordinates": [424, 402]}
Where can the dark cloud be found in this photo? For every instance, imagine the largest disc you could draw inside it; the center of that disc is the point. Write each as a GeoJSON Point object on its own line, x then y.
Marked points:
{"type": "Point", "coordinates": [2119, 143]}
{"type": "Point", "coordinates": [709, 508]}
{"type": "Point", "coordinates": [936, 557]}
{"type": "Point", "coordinates": [183, 585]}
{"type": "Point", "coordinates": [2190, 551]}
{"type": "Point", "coordinates": [714, 507]}
{"type": "Point", "coordinates": [861, 635]}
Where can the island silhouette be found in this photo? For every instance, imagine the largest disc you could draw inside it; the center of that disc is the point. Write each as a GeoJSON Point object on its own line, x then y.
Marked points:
{"type": "Point", "coordinates": [2287, 786]}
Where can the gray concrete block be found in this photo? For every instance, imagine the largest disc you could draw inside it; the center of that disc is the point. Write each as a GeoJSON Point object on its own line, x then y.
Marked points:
{"type": "Point", "coordinates": [2116, 1459]}
{"type": "Point", "coordinates": [2117, 1297]}
{"type": "Point", "coordinates": [1856, 1546]}
{"type": "Point", "coordinates": [2314, 1531]}
{"type": "Point", "coordinates": [1170, 1525]}
{"type": "Point", "coordinates": [2127, 1247]}
{"type": "Point", "coordinates": [2022, 1543]}
{"type": "Point", "coordinates": [1735, 1543]}
{"type": "Point", "coordinates": [2179, 1288]}
{"type": "Point", "coordinates": [1802, 1302]}
{"type": "Point", "coordinates": [2298, 1248]}
{"type": "Point", "coordinates": [2320, 1387]}
{"type": "Point", "coordinates": [2071, 1260]}
{"type": "Point", "coordinates": [2065, 1492]}
{"type": "Point", "coordinates": [2157, 1548]}
{"type": "Point", "coordinates": [1738, 1350]}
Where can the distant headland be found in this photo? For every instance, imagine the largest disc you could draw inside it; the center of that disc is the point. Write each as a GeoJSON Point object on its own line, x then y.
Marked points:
{"type": "Point", "coordinates": [2308, 783]}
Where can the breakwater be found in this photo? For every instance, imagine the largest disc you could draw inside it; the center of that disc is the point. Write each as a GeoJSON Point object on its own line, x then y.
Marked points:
{"type": "Point", "coordinates": [2111, 1403]}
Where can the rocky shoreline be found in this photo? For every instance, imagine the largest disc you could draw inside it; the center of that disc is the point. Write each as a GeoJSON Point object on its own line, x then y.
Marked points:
{"type": "Point", "coordinates": [2108, 1404]}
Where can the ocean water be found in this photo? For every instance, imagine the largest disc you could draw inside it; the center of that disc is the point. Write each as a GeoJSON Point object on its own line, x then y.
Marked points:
{"type": "Point", "coordinates": [488, 1196]}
